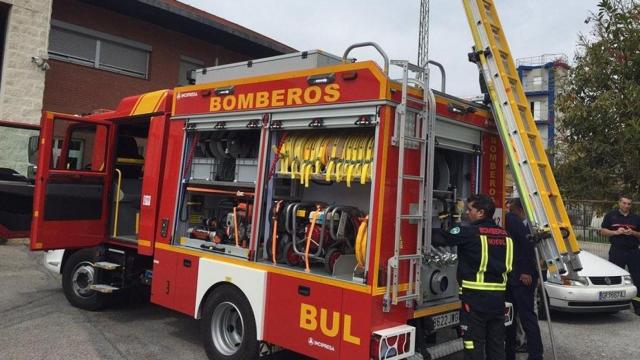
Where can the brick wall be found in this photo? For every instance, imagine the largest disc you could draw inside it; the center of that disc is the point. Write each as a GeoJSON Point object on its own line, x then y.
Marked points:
{"type": "Point", "coordinates": [73, 88]}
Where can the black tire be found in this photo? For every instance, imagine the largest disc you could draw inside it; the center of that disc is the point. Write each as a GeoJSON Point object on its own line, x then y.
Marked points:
{"type": "Point", "coordinates": [331, 258]}
{"type": "Point", "coordinates": [228, 327]}
{"type": "Point", "coordinates": [290, 257]}
{"type": "Point", "coordinates": [78, 274]}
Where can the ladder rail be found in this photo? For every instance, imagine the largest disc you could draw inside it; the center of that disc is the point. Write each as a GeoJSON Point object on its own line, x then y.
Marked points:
{"type": "Point", "coordinates": [522, 143]}
{"type": "Point", "coordinates": [418, 215]}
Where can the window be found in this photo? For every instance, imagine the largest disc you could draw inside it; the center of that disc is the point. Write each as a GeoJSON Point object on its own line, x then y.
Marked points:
{"type": "Point", "coordinates": [187, 64]}
{"type": "Point", "coordinates": [78, 146]}
{"type": "Point", "coordinates": [537, 81]}
{"type": "Point", "coordinates": [536, 110]}
{"type": "Point", "coordinates": [84, 46]}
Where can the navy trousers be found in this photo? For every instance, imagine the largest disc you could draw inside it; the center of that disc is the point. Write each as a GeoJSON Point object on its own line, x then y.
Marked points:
{"type": "Point", "coordinates": [522, 298]}
{"type": "Point", "coordinates": [630, 258]}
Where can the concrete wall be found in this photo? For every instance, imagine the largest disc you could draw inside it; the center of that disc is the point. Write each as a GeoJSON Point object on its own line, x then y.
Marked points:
{"type": "Point", "coordinates": [22, 83]}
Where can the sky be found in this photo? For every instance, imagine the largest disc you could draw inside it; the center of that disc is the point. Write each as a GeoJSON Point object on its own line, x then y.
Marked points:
{"type": "Point", "coordinates": [532, 27]}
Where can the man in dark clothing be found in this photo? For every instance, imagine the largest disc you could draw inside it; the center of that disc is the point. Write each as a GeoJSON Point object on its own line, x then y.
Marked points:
{"type": "Point", "coordinates": [485, 253]}
{"type": "Point", "coordinates": [522, 284]}
{"type": "Point", "coordinates": [623, 229]}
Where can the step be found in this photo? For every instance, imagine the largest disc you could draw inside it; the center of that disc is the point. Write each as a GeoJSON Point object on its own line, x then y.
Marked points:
{"type": "Point", "coordinates": [411, 217]}
{"type": "Point", "coordinates": [105, 265]}
{"type": "Point", "coordinates": [105, 289]}
{"type": "Point", "coordinates": [413, 177]}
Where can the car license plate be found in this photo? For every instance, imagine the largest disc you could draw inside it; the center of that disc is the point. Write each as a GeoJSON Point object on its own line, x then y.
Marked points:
{"type": "Point", "coordinates": [612, 295]}
{"type": "Point", "coordinates": [446, 320]}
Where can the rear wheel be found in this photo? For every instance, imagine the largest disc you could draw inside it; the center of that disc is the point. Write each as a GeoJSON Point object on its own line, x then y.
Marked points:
{"type": "Point", "coordinates": [77, 277]}
{"type": "Point", "coordinates": [228, 326]}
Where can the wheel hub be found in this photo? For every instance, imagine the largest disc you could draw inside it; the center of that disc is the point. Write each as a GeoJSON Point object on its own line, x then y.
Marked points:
{"type": "Point", "coordinates": [83, 278]}
{"type": "Point", "coordinates": [227, 328]}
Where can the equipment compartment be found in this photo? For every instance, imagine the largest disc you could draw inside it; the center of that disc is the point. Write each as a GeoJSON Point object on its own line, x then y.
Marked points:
{"type": "Point", "coordinates": [317, 201]}
{"type": "Point", "coordinates": [218, 188]}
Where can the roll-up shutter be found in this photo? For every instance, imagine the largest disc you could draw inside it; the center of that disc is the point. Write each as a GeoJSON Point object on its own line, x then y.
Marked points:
{"type": "Point", "coordinates": [456, 137]}
{"type": "Point", "coordinates": [334, 117]}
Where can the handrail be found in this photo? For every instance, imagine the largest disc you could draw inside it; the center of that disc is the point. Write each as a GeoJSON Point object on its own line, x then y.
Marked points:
{"type": "Point", "coordinates": [443, 74]}
{"type": "Point", "coordinates": [369, 43]}
{"type": "Point", "coordinates": [117, 195]}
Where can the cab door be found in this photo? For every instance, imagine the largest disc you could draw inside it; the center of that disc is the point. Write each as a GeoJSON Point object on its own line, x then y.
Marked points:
{"type": "Point", "coordinates": [72, 184]}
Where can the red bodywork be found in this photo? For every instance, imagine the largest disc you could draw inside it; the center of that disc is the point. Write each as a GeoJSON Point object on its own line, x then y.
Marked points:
{"type": "Point", "coordinates": [304, 312]}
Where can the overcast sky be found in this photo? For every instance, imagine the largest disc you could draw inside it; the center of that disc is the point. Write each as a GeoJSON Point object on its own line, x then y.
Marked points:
{"type": "Point", "coordinates": [533, 28]}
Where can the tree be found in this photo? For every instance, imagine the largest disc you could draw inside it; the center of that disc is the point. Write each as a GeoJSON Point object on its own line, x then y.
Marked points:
{"type": "Point", "coordinates": [598, 153]}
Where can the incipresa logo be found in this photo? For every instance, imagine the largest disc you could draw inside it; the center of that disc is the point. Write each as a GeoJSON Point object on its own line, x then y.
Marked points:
{"type": "Point", "coordinates": [187, 95]}
{"type": "Point", "coordinates": [320, 344]}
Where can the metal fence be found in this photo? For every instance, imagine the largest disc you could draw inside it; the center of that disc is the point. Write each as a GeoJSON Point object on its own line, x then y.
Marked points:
{"type": "Point", "coordinates": [586, 218]}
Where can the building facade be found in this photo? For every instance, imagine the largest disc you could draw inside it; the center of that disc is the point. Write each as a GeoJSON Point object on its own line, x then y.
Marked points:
{"type": "Point", "coordinates": [542, 77]}
{"type": "Point", "coordinates": [78, 56]}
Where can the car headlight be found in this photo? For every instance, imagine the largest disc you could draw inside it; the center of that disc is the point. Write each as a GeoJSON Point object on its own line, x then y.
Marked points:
{"type": "Point", "coordinates": [627, 280]}
{"type": "Point", "coordinates": [578, 281]}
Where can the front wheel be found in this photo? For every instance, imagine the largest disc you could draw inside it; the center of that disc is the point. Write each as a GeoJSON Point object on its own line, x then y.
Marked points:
{"type": "Point", "coordinates": [77, 277]}
{"type": "Point", "coordinates": [228, 326]}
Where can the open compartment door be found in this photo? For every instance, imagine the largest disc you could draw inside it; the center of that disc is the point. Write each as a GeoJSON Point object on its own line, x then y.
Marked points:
{"type": "Point", "coordinates": [72, 181]}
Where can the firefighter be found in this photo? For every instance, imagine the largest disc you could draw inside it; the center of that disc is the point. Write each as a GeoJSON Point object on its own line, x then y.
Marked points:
{"type": "Point", "coordinates": [485, 253]}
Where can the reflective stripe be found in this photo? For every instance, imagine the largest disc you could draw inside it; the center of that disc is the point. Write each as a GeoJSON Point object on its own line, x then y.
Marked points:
{"type": "Point", "coordinates": [508, 259]}
{"type": "Point", "coordinates": [468, 345]}
{"type": "Point", "coordinates": [637, 298]}
{"type": "Point", "coordinates": [484, 259]}
{"type": "Point", "coordinates": [484, 285]}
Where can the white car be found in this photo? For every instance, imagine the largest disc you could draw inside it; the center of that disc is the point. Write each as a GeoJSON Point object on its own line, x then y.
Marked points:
{"type": "Point", "coordinates": [600, 287]}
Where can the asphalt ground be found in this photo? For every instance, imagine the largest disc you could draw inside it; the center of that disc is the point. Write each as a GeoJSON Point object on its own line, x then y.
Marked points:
{"type": "Point", "coordinates": [36, 322]}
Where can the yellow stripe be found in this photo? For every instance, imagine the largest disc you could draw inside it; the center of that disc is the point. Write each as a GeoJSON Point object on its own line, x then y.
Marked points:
{"type": "Point", "coordinates": [484, 285]}
{"type": "Point", "coordinates": [432, 310]}
{"type": "Point", "coordinates": [149, 102]}
{"type": "Point", "coordinates": [508, 259]}
{"type": "Point", "coordinates": [268, 268]}
{"type": "Point", "coordinates": [145, 243]}
{"type": "Point", "coordinates": [637, 298]}
{"type": "Point", "coordinates": [133, 109]}
{"type": "Point", "coordinates": [381, 183]}
{"type": "Point", "coordinates": [468, 345]}
{"type": "Point", "coordinates": [164, 95]}
{"type": "Point", "coordinates": [484, 259]}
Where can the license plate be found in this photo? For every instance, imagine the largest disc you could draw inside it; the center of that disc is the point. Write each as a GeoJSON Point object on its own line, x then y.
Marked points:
{"type": "Point", "coordinates": [446, 320]}
{"type": "Point", "coordinates": [611, 295]}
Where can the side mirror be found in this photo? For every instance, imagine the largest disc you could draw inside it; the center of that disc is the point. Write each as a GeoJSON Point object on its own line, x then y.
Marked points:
{"type": "Point", "coordinates": [33, 149]}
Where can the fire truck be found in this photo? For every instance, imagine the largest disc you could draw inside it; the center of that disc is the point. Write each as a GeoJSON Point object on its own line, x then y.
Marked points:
{"type": "Point", "coordinates": [290, 202]}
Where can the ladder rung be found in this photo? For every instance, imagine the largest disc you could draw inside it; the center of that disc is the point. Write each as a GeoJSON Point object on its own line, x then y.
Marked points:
{"type": "Point", "coordinates": [413, 177]}
{"type": "Point", "coordinates": [411, 217]}
{"type": "Point", "coordinates": [410, 296]}
{"type": "Point", "coordinates": [410, 257]}
{"type": "Point", "coordinates": [416, 139]}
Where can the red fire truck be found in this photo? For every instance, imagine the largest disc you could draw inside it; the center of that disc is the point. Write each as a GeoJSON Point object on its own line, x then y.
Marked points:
{"type": "Point", "coordinates": [287, 202]}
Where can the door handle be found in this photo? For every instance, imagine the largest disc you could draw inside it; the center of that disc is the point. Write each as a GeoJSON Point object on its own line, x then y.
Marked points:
{"type": "Point", "coordinates": [186, 263]}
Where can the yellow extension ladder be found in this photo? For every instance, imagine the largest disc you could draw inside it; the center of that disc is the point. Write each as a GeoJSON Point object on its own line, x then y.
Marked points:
{"type": "Point", "coordinates": [527, 158]}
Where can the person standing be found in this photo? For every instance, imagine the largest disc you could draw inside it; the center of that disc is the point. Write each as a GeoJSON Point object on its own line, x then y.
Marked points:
{"type": "Point", "coordinates": [485, 253]}
{"type": "Point", "coordinates": [622, 227]}
{"type": "Point", "coordinates": [521, 285]}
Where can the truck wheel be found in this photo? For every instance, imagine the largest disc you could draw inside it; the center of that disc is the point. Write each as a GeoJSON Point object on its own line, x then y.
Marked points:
{"type": "Point", "coordinates": [77, 276]}
{"type": "Point", "coordinates": [228, 327]}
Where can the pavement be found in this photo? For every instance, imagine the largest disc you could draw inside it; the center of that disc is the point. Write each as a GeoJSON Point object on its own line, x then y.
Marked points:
{"type": "Point", "coordinates": [36, 322]}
